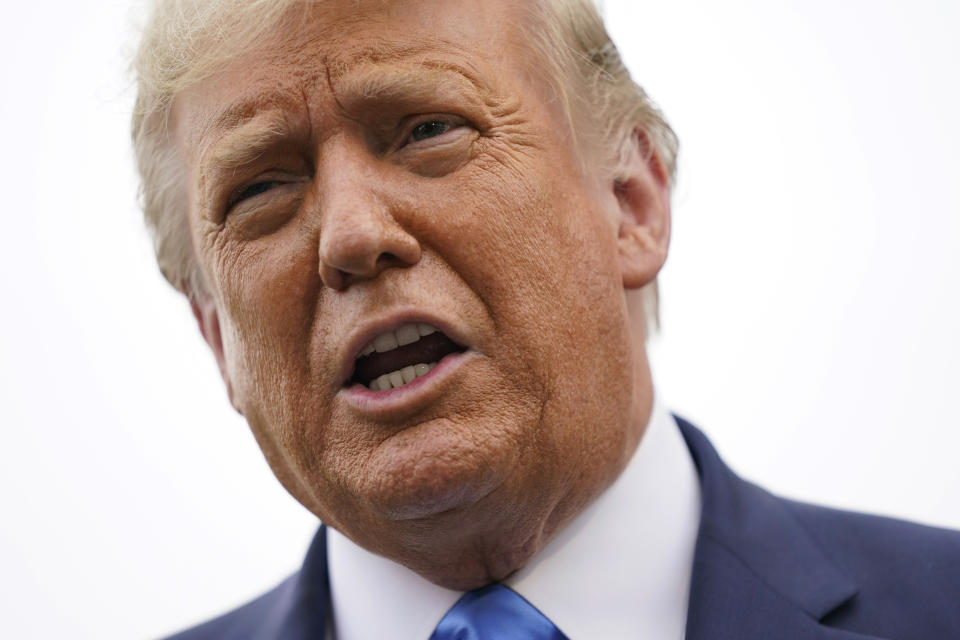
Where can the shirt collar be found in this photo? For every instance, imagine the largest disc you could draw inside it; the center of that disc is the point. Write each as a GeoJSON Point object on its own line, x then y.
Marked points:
{"type": "Point", "coordinates": [620, 569]}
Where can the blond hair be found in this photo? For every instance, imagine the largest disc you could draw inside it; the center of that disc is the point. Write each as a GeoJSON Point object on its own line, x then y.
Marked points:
{"type": "Point", "coordinates": [186, 41]}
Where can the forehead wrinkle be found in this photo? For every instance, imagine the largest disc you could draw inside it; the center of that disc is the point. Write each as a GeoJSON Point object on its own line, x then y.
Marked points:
{"type": "Point", "coordinates": [371, 71]}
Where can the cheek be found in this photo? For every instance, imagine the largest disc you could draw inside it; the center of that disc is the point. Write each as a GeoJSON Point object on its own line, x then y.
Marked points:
{"type": "Point", "coordinates": [541, 255]}
{"type": "Point", "coordinates": [269, 291]}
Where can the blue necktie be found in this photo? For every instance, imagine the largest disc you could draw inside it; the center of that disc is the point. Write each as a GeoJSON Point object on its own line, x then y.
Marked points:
{"type": "Point", "coordinates": [495, 612]}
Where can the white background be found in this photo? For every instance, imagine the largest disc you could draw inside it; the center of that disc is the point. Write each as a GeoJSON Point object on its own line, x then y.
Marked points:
{"type": "Point", "coordinates": [809, 305]}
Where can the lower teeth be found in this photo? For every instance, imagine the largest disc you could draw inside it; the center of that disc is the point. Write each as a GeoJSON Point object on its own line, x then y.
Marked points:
{"type": "Point", "coordinates": [399, 378]}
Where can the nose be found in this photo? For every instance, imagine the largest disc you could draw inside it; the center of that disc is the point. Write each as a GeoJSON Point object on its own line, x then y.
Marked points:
{"type": "Point", "coordinates": [359, 235]}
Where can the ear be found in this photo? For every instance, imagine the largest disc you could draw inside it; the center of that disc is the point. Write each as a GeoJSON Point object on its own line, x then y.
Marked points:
{"type": "Point", "coordinates": [642, 188]}
{"type": "Point", "coordinates": [205, 311]}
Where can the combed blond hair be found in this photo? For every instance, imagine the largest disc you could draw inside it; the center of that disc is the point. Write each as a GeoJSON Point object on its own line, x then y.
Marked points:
{"type": "Point", "coordinates": [185, 41]}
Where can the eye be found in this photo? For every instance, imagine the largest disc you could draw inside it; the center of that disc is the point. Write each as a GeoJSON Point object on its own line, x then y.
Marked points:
{"type": "Point", "coordinates": [429, 129]}
{"type": "Point", "coordinates": [254, 189]}
{"type": "Point", "coordinates": [432, 144]}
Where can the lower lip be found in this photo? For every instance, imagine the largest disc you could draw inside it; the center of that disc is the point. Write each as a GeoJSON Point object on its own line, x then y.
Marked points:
{"type": "Point", "coordinates": [413, 393]}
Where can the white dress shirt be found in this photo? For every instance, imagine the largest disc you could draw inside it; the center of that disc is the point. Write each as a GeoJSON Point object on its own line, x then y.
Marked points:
{"type": "Point", "coordinates": [621, 569]}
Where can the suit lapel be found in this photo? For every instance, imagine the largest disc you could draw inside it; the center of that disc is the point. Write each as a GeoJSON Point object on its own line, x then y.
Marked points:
{"type": "Point", "coordinates": [757, 573]}
{"type": "Point", "coordinates": [301, 613]}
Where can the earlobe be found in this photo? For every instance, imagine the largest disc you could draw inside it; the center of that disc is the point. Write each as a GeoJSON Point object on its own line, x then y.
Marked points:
{"type": "Point", "coordinates": [642, 190]}
{"type": "Point", "coordinates": [205, 312]}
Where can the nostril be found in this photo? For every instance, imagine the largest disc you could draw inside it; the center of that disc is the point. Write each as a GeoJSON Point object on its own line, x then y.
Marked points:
{"type": "Point", "coordinates": [333, 278]}
{"type": "Point", "coordinates": [389, 260]}
{"type": "Point", "coordinates": [340, 279]}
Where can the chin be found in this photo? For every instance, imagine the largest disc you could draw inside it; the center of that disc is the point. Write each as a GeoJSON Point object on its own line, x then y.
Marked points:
{"type": "Point", "coordinates": [437, 498]}
{"type": "Point", "coordinates": [436, 468]}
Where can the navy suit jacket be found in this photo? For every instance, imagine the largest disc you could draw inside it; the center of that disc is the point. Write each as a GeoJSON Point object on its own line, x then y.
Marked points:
{"type": "Point", "coordinates": [764, 568]}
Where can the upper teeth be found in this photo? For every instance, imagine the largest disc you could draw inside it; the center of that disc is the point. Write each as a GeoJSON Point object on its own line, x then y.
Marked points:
{"type": "Point", "coordinates": [390, 340]}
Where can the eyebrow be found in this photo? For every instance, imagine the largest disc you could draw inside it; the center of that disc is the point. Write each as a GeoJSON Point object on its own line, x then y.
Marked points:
{"type": "Point", "coordinates": [404, 81]}
{"type": "Point", "coordinates": [245, 140]}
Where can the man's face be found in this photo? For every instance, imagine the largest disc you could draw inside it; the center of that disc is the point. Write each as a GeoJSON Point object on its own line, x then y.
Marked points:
{"type": "Point", "coordinates": [383, 171]}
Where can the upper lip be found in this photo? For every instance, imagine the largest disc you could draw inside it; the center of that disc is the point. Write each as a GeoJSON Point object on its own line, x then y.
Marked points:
{"type": "Point", "coordinates": [366, 332]}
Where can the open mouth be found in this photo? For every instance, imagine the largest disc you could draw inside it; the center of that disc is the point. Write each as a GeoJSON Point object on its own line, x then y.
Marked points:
{"type": "Point", "coordinates": [396, 358]}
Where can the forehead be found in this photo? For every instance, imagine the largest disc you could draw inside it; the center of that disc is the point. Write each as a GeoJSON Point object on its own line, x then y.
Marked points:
{"type": "Point", "coordinates": [330, 50]}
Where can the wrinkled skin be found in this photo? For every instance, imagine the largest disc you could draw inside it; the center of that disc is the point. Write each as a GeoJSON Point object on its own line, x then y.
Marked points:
{"type": "Point", "coordinates": [320, 212]}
